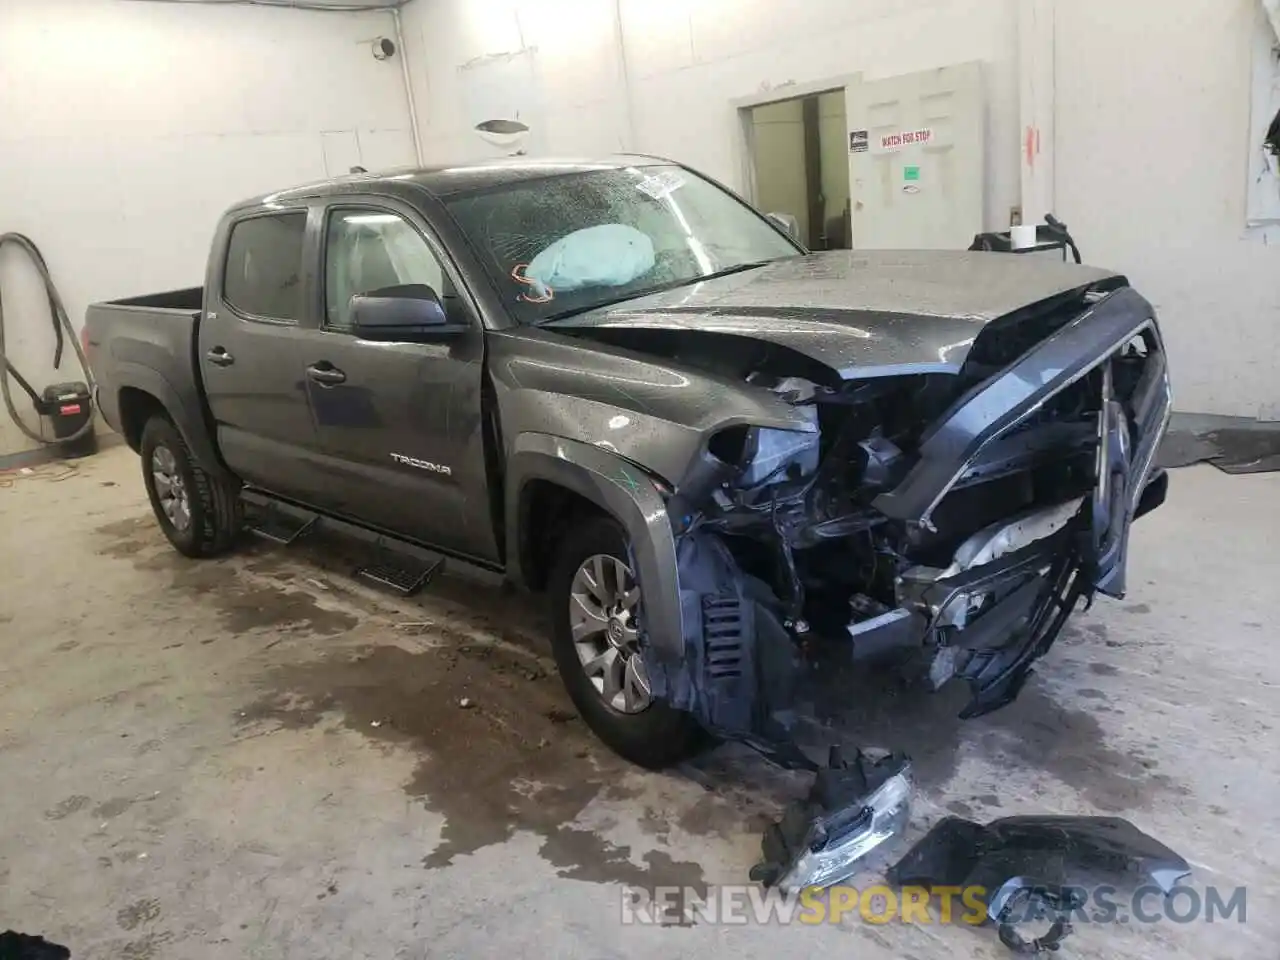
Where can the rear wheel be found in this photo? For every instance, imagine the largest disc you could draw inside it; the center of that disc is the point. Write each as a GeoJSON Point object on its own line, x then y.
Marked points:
{"type": "Point", "coordinates": [199, 512]}
{"type": "Point", "coordinates": [596, 604]}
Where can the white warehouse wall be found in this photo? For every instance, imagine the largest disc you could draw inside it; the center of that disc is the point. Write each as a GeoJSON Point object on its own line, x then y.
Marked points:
{"type": "Point", "coordinates": [1152, 160]}
{"type": "Point", "coordinates": [127, 127]}
{"type": "Point", "coordinates": [658, 76]}
{"type": "Point", "coordinates": [1152, 115]}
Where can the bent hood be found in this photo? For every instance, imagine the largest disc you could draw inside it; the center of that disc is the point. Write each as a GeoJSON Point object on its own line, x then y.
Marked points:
{"type": "Point", "coordinates": [861, 313]}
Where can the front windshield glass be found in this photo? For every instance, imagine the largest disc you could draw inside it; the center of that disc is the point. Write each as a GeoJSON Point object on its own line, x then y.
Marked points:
{"type": "Point", "coordinates": [570, 243]}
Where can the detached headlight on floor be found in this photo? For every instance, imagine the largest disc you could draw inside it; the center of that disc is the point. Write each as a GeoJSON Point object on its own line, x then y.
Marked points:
{"type": "Point", "coordinates": [853, 808]}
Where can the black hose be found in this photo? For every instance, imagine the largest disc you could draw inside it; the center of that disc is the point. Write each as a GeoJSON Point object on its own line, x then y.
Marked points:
{"type": "Point", "coordinates": [62, 330]}
{"type": "Point", "coordinates": [1060, 228]}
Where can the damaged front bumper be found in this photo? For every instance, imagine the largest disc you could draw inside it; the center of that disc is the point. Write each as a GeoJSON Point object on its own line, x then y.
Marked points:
{"type": "Point", "coordinates": [1003, 601]}
{"type": "Point", "coordinates": [1007, 591]}
{"type": "Point", "coordinates": [987, 624]}
{"type": "Point", "coordinates": [1005, 597]}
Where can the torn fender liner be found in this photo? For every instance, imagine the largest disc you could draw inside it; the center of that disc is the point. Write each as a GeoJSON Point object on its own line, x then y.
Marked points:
{"type": "Point", "coordinates": [740, 666]}
{"type": "Point", "coordinates": [1037, 862]}
{"type": "Point", "coordinates": [855, 806]}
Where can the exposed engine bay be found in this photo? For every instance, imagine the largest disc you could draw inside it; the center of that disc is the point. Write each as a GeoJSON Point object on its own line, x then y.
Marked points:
{"type": "Point", "coordinates": [796, 542]}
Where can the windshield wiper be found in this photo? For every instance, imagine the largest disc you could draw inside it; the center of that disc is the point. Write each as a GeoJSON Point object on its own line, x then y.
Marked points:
{"type": "Point", "coordinates": [659, 288]}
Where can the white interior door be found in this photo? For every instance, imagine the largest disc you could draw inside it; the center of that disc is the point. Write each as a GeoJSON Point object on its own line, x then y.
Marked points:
{"type": "Point", "coordinates": [916, 146]}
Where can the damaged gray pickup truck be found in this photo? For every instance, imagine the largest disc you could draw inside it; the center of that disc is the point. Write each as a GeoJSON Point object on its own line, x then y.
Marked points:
{"type": "Point", "coordinates": [617, 383]}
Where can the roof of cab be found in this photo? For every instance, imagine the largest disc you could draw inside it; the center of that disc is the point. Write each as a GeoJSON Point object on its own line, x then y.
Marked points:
{"type": "Point", "coordinates": [446, 180]}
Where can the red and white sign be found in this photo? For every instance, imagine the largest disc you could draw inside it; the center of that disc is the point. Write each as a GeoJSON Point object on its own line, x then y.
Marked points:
{"type": "Point", "coordinates": [905, 138]}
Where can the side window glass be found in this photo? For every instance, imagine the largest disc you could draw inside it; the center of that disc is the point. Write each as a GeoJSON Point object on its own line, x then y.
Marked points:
{"type": "Point", "coordinates": [264, 266]}
{"type": "Point", "coordinates": [368, 250]}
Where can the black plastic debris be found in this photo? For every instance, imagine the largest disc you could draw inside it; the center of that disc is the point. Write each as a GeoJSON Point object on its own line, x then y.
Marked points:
{"type": "Point", "coordinates": [855, 805]}
{"type": "Point", "coordinates": [22, 946]}
{"type": "Point", "coordinates": [1037, 867]}
{"type": "Point", "coordinates": [1054, 906]}
{"type": "Point", "coordinates": [1232, 444]}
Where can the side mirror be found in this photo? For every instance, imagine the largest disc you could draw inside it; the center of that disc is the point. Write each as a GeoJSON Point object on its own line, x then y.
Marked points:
{"type": "Point", "coordinates": [406, 312]}
{"type": "Point", "coordinates": [786, 223]}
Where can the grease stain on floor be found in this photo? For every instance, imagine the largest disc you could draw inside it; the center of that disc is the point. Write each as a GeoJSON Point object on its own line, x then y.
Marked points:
{"type": "Point", "coordinates": [242, 606]}
{"type": "Point", "coordinates": [499, 766]}
{"type": "Point", "coordinates": [518, 759]}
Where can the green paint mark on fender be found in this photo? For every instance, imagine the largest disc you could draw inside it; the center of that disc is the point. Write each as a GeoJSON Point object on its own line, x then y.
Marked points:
{"type": "Point", "coordinates": [627, 481]}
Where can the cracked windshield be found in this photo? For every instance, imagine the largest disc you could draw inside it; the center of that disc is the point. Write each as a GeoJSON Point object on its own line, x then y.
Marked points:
{"type": "Point", "coordinates": [568, 244]}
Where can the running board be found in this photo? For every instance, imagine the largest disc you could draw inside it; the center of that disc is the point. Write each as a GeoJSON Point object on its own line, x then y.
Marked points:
{"type": "Point", "coordinates": [399, 572]}
{"type": "Point", "coordinates": [395, 564]}
{"type": "Point", "coordinates": [280, 527]}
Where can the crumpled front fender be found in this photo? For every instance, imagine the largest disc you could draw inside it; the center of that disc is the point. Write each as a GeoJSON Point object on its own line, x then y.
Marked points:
{"type": "Point", "coordinates": [628, 494]}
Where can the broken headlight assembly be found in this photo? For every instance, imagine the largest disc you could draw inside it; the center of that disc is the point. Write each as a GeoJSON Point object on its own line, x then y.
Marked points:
{"type": "Point", "coordinates": [854, 807]}
{"type": "Point", "coordinates": [776, 454]}
{"type": "Point", "coordinates": [756, 457]}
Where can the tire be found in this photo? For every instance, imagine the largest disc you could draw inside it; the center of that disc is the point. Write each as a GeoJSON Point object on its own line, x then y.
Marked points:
{"type": "Point", "coordinates": [657, 735]}
{"type": "Point", "coordinates": [213, 516]}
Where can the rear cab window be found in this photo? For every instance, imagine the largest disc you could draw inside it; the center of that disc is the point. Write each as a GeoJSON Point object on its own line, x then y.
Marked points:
{"type": "Point", "coordinates": [263, 277]}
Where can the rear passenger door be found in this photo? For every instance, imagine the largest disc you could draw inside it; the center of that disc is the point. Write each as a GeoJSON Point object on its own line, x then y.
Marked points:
{"type": "Point", "coordinates": [400, 422]}
{"type": "Point", "coordinates": [257, 294]}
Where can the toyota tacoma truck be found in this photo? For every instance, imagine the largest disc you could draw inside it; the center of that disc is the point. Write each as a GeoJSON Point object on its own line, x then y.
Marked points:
{"type": "Point", "coordinates": [615, 382]}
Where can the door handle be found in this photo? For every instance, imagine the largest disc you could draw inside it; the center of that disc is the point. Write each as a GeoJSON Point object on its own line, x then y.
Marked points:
{"type": "Point", "coordinates": [219, 357]}
{"type": "Point", "coordinates": [326, 374]}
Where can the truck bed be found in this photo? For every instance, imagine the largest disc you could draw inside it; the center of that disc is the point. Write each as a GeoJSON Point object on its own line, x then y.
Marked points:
{"type": "Point", "coordinates": [152, 348]}
{"type": "Point", "coordinates": [185, 301]}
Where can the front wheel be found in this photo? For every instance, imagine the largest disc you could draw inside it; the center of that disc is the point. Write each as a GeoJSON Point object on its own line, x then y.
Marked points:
{"type": "Point", "coordinates": [199, 512]}
{"type": "Point", "coordinates": [596, 602]}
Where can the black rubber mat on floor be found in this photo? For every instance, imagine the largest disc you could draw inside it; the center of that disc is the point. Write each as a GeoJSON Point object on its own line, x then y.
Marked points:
{"type": "Point", "coordinates": [1251, 447]}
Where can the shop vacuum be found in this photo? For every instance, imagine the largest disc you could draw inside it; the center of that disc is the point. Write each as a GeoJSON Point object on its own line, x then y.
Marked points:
{"type": "Point", "coordinates": [67, 407]}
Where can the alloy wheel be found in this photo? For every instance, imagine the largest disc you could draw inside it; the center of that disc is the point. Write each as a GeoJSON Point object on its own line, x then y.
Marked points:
{"type": "Point", "coordinates": [604, 601]}
{"type": "Point", "coordinates": [171, 489]}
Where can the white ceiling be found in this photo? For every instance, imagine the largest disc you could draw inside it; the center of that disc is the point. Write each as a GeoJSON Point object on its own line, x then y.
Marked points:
{"type": "Point", "coordinates": [337, 4]}
{"type": "Point", "coordinates": [354, 3]}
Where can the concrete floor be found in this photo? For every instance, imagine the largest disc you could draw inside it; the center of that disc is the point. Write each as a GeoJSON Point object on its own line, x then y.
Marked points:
{"type": "Point", "coordinates": [258, 757]}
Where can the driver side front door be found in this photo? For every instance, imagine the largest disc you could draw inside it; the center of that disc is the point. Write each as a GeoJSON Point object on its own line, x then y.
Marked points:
{"type": "Point", "coordinates": [400, 424]}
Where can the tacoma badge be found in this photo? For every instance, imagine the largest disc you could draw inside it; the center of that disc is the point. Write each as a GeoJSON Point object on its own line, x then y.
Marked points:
{"type": "Point", "coordinates": [422, 464]}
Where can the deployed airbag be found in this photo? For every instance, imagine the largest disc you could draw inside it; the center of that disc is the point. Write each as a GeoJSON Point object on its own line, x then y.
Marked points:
{"type": "Point", "coordinates": [608, 255]}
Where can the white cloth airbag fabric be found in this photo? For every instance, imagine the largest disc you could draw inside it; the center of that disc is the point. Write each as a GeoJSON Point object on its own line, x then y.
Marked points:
{"type": "Point", "coordinates": [608, 255]}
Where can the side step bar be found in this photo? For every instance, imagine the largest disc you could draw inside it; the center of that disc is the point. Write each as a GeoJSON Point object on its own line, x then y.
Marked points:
{"type": "Point", "coordinates": [399, 572]}
{"type": "Point", "coordinates": [395, 564]}
{"type": "Point", "coordinates": [280, 527]}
